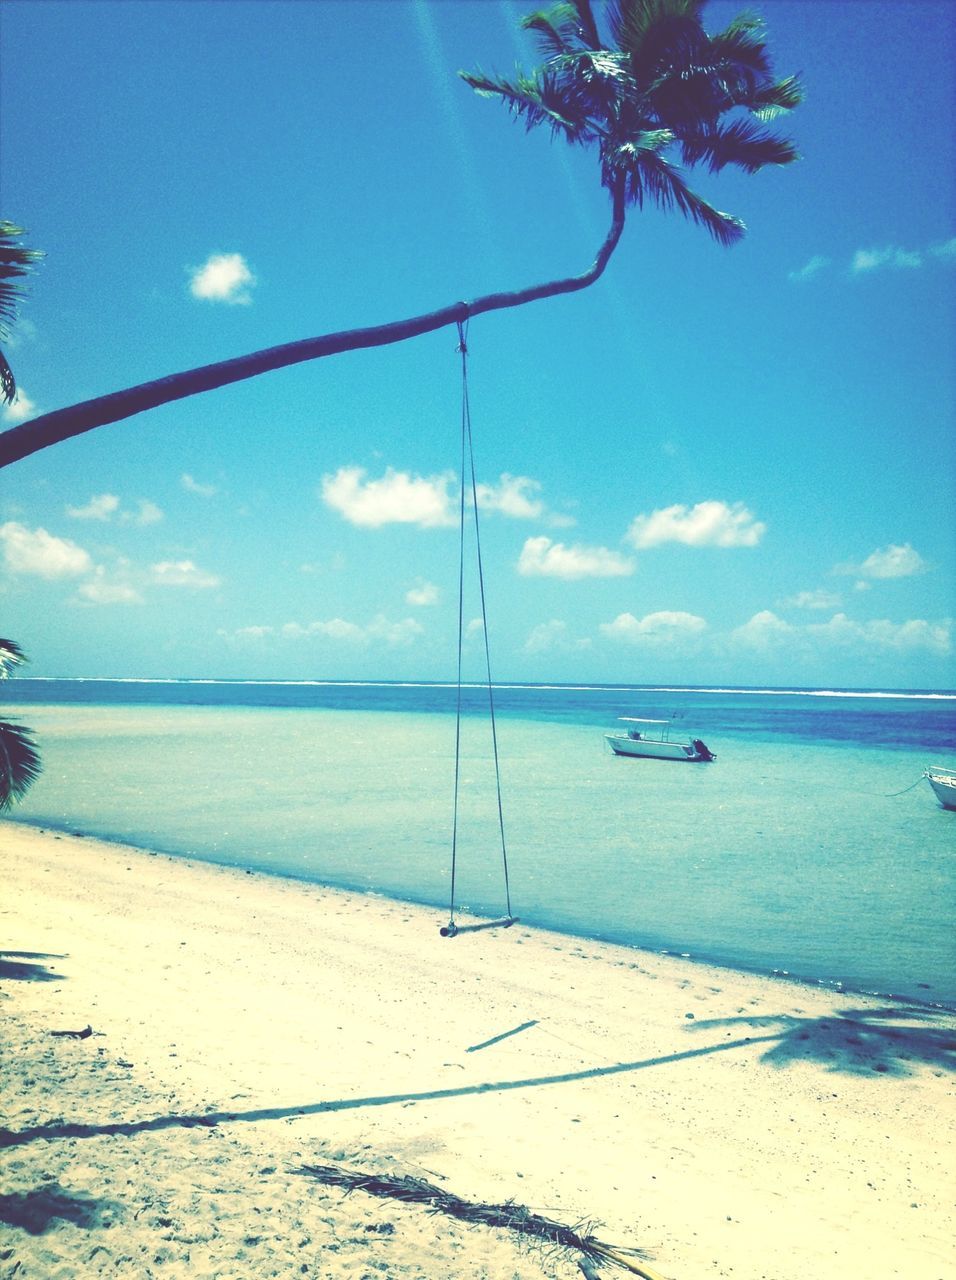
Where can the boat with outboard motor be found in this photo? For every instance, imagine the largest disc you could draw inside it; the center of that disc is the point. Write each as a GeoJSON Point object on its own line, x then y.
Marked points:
{"type": "Point", "coordinates": [652, 741]}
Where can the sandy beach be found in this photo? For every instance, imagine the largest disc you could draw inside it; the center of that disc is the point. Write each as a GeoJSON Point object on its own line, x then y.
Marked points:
{"type": "Point", "coordinates": [240, 1028]}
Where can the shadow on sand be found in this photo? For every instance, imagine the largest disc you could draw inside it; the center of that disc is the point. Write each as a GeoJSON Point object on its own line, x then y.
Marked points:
{"type": "Point", "coordinates": [892, 1041]}
{"type": "Point", "coordinates": [895, 1041]}
{"type": "Point", "coordinates": [19, 966]}
{"type": "Point", "coordinates": [36, 1211]}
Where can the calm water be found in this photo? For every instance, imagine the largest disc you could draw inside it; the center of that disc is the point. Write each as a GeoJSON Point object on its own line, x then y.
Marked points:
{"type": "Point", "coordinates": [810, 846]}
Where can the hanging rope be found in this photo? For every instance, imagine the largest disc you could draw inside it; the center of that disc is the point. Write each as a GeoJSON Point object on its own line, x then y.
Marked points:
{"type": "Point", "coordinates": [468, 456]}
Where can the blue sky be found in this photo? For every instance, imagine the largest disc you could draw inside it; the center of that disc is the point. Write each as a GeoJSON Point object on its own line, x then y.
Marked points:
{"type": "Point", "coordinates": [729, 466]}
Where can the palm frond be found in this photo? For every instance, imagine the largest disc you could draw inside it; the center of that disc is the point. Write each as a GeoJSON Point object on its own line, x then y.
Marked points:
{"type": "Point", "coordinates": [742, 143]}
{"type": "Point", "coordinates": [532, 100]}
{"type": "Point", "coordinates": [629, 154]}
{"type": "Point", "coordinates": [749, 21]}
{"type": "Point", "coordinates": [743, 48]}
{"type": "Point", "coordinates": [772, 100]}
{"type": "Point", "coordinates": [587, 26]}
{"type": "Point", "coordinates": [8, 383]}
{"type": "Point", "coordinates": [556, 30]}
{"type": "Point", "coordinates": [633, 23]}
{"type": "Point", "coordinates": [657, 180]}
{"type": "Point", "coordinates": [673, 45]}
{"type": "Point", "coordinates": [15, 263]}
{"type": "Point", "coordinates": [590, 88]}
{"type": "Point", "coordinates": [11, 655]}
{"type": "Point", "coordinates": [20, 764]}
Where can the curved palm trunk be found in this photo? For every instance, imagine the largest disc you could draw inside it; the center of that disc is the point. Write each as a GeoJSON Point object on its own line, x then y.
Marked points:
{"type": "Point", "coordinates": [61, 424]}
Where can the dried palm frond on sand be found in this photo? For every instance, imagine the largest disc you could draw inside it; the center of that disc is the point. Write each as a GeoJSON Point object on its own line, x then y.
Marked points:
{"type": "Point", "coordinates": [514, 1217]}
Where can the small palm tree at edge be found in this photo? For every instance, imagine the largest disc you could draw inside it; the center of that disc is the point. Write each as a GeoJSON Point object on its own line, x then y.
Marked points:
{"type": "Point", "coordinates": [20, 764]}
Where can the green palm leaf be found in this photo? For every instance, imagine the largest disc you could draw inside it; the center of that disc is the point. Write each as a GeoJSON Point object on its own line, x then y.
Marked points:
{"type": "Point", "coordinates": [11, 655]}
{"type": "Point", "coordinates": [19, 758]}
{"type": "Point", "coordinates": [20, 764]}
{"type": "Point", "coordinates": [532, 100]}
{"type": "Point", "coordinates": [772, 100]}
{"type": "Point", "coordinates": [15, 263]}
{"type": "Point", "coordinates": [657, 180]}
{"type": "Point", "coordinates": [8, 384]}
{"type": "Point", "coordinates": [742, 143]}
{"type": "Point", "coordinates": [555, 30]}
{"type": "Point", "coordinates": [633, 23]}
{"type": "Point", "coordinates": [587, 27]}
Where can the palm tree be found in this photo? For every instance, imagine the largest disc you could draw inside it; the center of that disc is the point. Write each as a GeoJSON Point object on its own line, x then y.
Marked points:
{"type": "Point", "coordinates": [19, 759]}
{"type": "Point", "coordinates": [658, 86]}
{"type": "Point", "coordinates": [15, 263]}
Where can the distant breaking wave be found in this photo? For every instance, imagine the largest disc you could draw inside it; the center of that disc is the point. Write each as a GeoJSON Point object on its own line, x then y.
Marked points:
{"type": "Point", "coordinates": [737, 690]}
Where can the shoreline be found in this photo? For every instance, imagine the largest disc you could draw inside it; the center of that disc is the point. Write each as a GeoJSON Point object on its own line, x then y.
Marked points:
{"type": "Point", "coordinates": [244, 1025]}
{"type": "Point", "coordinates": [836, 986]}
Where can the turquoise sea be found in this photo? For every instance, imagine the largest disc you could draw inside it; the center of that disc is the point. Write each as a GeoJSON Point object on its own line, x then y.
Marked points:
{"type": "Point", "coordinates": [811, 846]}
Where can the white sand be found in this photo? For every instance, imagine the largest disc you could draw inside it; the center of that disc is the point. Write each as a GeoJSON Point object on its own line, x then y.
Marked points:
{"type": "Point", "coordinates": [731, 1125]}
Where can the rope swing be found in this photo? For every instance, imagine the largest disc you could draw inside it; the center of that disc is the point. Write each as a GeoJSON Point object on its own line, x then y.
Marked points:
{"type": "Point", "coordinates": [451, 930]}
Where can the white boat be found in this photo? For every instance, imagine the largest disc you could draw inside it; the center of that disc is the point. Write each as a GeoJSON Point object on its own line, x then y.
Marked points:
{"type": "Point", "coordinates": [943, 782]}
{"type": "Point", "coordinates": [651, 740]}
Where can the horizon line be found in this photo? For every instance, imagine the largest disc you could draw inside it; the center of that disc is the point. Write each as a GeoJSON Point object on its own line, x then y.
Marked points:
{"type": "Point", "coordinates": [557, 686]}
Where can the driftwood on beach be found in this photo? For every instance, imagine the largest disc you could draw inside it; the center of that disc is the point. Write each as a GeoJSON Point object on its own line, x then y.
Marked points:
{"type": "Point", "coordinates": [513, 1217]}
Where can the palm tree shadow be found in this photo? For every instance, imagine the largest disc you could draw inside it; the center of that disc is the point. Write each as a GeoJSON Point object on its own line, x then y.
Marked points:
{"type": "Point", "coordinates": [895, 1041]}
{"type": "Point", "coordinates": [19, 966]}
{"type": "Point", "coordinates": [36, 1211]}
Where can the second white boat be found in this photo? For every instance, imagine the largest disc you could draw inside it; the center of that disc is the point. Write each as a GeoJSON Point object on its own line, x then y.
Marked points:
{"type": "Point", "coordinates": [652, 741]}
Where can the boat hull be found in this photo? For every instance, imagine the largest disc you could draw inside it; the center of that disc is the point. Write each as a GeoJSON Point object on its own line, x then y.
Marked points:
{"type": "Point", "coordinates": [945, 789]}
{"type": "Point", "coordinates": [644, 749]}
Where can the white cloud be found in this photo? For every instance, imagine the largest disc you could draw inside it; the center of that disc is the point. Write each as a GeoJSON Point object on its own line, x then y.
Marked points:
{"type": "Point", "coordinates": [224, 277]}
{"type": "Point", "coordinates": [666, 626]}
{"type": "Point", "coordinates": [893, 258]}
{"type": "Point", "coordinates": [881, 634]}
{"type": "Point", "coordinates": [865, 260]}
{"type": "Point", "coordinates": [397, 498]}
{"type": "Point", "coordinates": [394, 634]}
{"type": "Point", "coordinates": [252, 633]}
{"type": "Point", "coordinates": [708, 524]}
{"type": "Point", "coordinates": [194, 486]}
{"type": "Point", "coordinates": [380, 630]}
{"type": "Point", "coordinates": [540, 557]}
{"type": "Point", "coordinates": [425, 593]}
{"type": "Point", "coordinates": [894, 561]}
{"type": "Point", "coordinates": [764, 631]}
{"type": "Point", "coordinates": [514, 496]}
{"type": "Point", "coordinates": [148, 513]}
{"type": "Point", "coordinates": [818, 599]}
{"type": "Point", "coordinates": [812, 268]}
{"type": "Point", "coordinates": [182, 573]}
{"type": "Point", "coordinates": [101, 507]}
{"type": "Point", "coordinates": [553, 636]}
{"type": "Point", "coordinates": [36, 552]}
{"type": "Point", "coordinates": [100, 589]}
{"type": "Point", "coordinates": [20, 409]}
{"type": "Point", "coordinates": [105, 505]}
